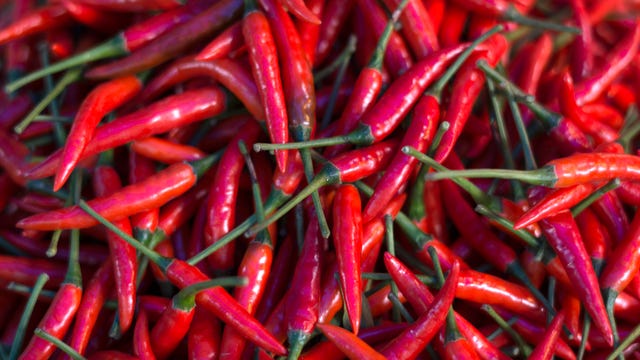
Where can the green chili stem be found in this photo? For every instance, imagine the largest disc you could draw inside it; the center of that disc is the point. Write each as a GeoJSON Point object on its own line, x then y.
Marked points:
{"type": "Point", "coordinates": [504, 325]}
{"type": "Point", "coordinates": [59, 344]}
{"type": "Point", "coordinates": [26, 316]}
{"type": "Point", "coordinates": [512, 14]}
{"type": "Point", "coordinates": [593, 197]}
{"type": "Point", "coordinates": [397, 304]}
{"type": "Point", "coordinates": [524, 235]}
{"type": "Point", "coordinates": [345, 57]}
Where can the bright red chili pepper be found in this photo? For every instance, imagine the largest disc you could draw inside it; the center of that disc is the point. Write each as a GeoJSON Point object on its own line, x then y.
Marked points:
{"type": "Point", "coordinates": [533, 333]}
{"type": "Point", "coordinates": [349, 343]}
{"type": "Point", "coordinates": [106, 182]}
{"type": "Point", "coordinates": [229, 40]}
{"type": "Point", "coordinates": [309, 31]}
{"type": "Point", "coordinates": [580, 50]}
{"type": "Point", "coordinates": [203, 338]}
{"type": "Point", "coordinates": [39, 20]}
{"type": "Point", "coordinates": [412, 341]}
{"type": "Point", "coordinates": [166, 114]}
{"type": "Point", "coordinates": [334, 18]}
{"type": "Point", "coordinates": [94, 17]}
{"type": "Point", "coordinates": [300, 10]}
{"type": "Point", "coordinates": [347, 240]}
{"type": "Point", "coordinates": [141, 341]}
{"type": "Point", "coordinates": [98, 103]}
{"type": "Point", "coordinates": [417, 28]}
{"type": "Point", "coordinates": [62, 309]}
{"type": "Point", "coordinates": [165, 151]}
{"type": "Point", "coordinates": [145, 223]}
{"type": "Point", "coordinates": [148, 194]}
{"type": "Point", "coordinates": [171, 42]}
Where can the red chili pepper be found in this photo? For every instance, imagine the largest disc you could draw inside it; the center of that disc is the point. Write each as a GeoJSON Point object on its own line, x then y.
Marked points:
{"type": "Point", "coordinates": [571, 308]}
{"type": "Point", "coordinates": [125, 42]}
{"type": "Point", "coordinates": [26, 270]}
{"type": "Point", "coordinates": [347, 239]}
{"type": "Point", "coordinates": [612, 214]}
{"type": "Point", "coordinates": [125, 264]}
{"type": "Point", "coordinates": [229, 40]}
{"type": "Point", "coordinates": [580, 50]}
{"type": "Point", "coordinates": [94, 297]}
{"type": "Point", "coordinates": [534, 333]}
{"type": "Point", "coordinates": [419, 297]}
{"type": "Point", "coordinates": [279, 278]}
{"type": "Point", "coordinates": [144, 224]}
{"type": "Point", "coordinates": [309, 31]}
{"type": "Point", "coordinates": [98, 103]}
{"type": "Point", "coordinates": [203, 338]}
{"type": "Point", "coordinates": [141, 341]}
{"type": "Point", "coordinates": [349, 343]}
{"type": "Point", "coordinates": [171, 42]}
{"type": "Point", "coordinates": [60, 43]}
{"type": "Point", "coordinates": [417, 27]}
{"type": "Point", "coordinates": [13, 158]}
{"type": "Point", "coordinates": [334, 18]}
{"type": "Point", "coordinates": [300, 10]}
{"type": "Point", "coordinates": [134, 5]}
{"type": "Point", "coordinates": [148, 194]}
{"type": "Point", "coordinates": [413, 340]}
{"type": "Point", "coordinates": [263, 57]}
{"type": "Point", "coordinates": [94, 17]}
{"type": "Point", "coordinates": [173, 111]}
{"type": "Point", "coordinates": [165, 151]}
{"type": "Point", "coordinates": [62, 309]}
{"type": "Point", "coordinates": [595, 238]}
{"type": "Point", "coordinates": [39, 20]}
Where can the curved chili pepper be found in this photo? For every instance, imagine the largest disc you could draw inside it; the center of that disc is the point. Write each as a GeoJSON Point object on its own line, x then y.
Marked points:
{"type": "Point", "coordinates": [227, 41]}
{"type": "Point", "coordinates": [580, 50]}
{"type": "Point", "coordinates": [612, 214]}
{"type": "Point", "coordinates": [300, 10]}
{"type": "Point", "coordinates": [310, 32]}
{"type": "Point", "coordinates": [98, 103]}
{"type": "Point", "coordinates": [93, 299]}
{"type": "Point", "coordinates": [148, 194]}
{"type": "Point", "coordinates": [349, 343]}
{"type": "Point", "coordinates": [456, 19]}
{"type": "Point", "coordinates": [42, 19]}
{"type": "Point", "coordinates": [347, 239]}
{"type": "Point", "coordinates": [94, 17]}
{"type": "Point", "coordinates": [417, 27]}
{"type": "Point", "coordinates": [165, 151]}
{"type": "Point", "coordinates": [171, 42]}
{"type": "Point", "coordinates": [413, 340]}
{"type": "Point", "coordinates": [106, 183]}
{"type": "Point", "coordinates": [141, 341]}
{"type": "Point", "coordinates": [134, 5]}
{"type": "Point", "coordinates": [126, 41]}
{"type": "Point", "coordinates": [166, 114]}
{"type": "Point", "coordinates": [419, 297]}
{"type": "Point", "coordinates": [334, 19]}
{"type": "Point", "coordinates": [203, 338]}
{"type": "Point", "coordinates": [62, 309]}
{"type": "Point", "coordinates": [348, 167]}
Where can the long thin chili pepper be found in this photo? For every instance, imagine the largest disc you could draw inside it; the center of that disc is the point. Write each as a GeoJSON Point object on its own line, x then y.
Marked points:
{"type": "Point", "coordinates": [171, 42]}
{"type": "Point", "coordinates": [229, 40]}
{"type": "Point", "coordinates": [148, 194]}
{"type": "Point", "coordinates": [302, 309]}
{"type": "Point", "coordinates": [26, 270]}
{"type": "Point", "coordinates": [99, 102]}
{"type": "Point", "coordinates": [170, 329]}
{"type": "Point", "coordinates": [347, 238]}
{"type": "Point", "coordinates": [171, 112]}
{"type": "Point", "coordinates": [141, 341]}
{"type": "Point", "coordinates": [580, 50]}
{"type": "Point", "coordinates": [544, 349]}
{"type": "Point", "coordinates": [385, 116]}
{"type": "Point", "coordinates": [203, 338]}
{"type": "Point", "coordinates": [134, 5]}
{"type": "Point", "coordinates": [348, 167]}
{"type": "Point", "coordinates": [350, 344]}
{"type": "Point", "coordinates": [144, 224]}
{"type": "Point", "coordinates": [215, 300]}
{"type": "Point", "coordinates": [417, 28]}
{"type": "Point", "coordinates": [106, 182]}
{"type": "Point", "coordinates": [128, 40]}
{"type": "Point", "coordinates": [310, 32]}
{"type": "Point", "coordinates": [39, 20]}
{"type": "Point", "coordinates": [413, 340]}
{"type": "Point", "coordinates": [334, 18]}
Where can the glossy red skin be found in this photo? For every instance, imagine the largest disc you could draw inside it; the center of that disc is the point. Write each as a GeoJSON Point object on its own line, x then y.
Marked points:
{"type": "Point", "coordinates": [455, 17]}
{"type": "Point", "coordinates": [412, 341]}
{"type": "Point", "coordinates": [419, 296]}
{"type": "Point", "coordinates": [533, 334]}
{"type": "Point", "coordinates": [278, 279]}
{"type": "Point", "coordinates": [24, 270]}
{"type": "Point", "coordinates": [56, 321]}
{"type": "Point", "coordinates": [106, 182]}
{"type": "Point", "coordinates": [223, 193]}
{"type": "Point", "coordinates": [580, 50]}
{"type": "Point", "coordinates": [165, 151]}
{"type": "Point", "coordinates": [623, 263]}
{"type": "Point", "coordinates": [459, 349]}
{"type": "Point", "coordinates": [485, 7]}
{"type": "Point", "coordinates": [309, 31]}
{"type": "Point", "coordinates": [227, 41]}
{"type": "Point", "coordinates": [545, 348]}
{"type": "Point", "coordinates": [612, 214]}
{"type": "Point", "coordinates": [145, 195]}
{"type": "Point", "coordinates": [203, 338]}
{"type": "Point", "coordinates": [18, 52]}
{"type": "Point", "coordinates": [95, 18]}
{"type": "Point", "coordinates": [300, 10]}
{"type": "Point", "coordinates": [263, 58]}
{"type": "Point", "coordinates": [159, 117]}
{"type": "Point", "coordinates": [334, 18]}
{"type": "Point", "coordinates": [102, 100]}
{"type": "Point", "coordinates": [39, 20]}
{"type": "Point", "coordinates": [417, 27]}
{"type": "Point", "coordinates": [140, 168]}
{"type": "Point", "coordinates": [418, 135]}
{"type": "Point", "coordinates": [593, 167]}
{"type": "Point", "coordinates": [13, 157]}
{"type": "Point", "coordinates": [94, 297]}
{"type": "Point", "coordinates": [175, 40]}
{"type": "Point", "coordinates": [596, 239]}
{"type": "Point", "coordinates": [170, 329]}
{"type": "Point", "coordinates": [141, 341]}
{"type": "Point", "coordinates": [220, 303]}
{"type": "Point", "coordinates": [256, 267]}
{"type": "Point", "coordinates": [397, 58]}
{"type": "Point", "coordinates": [349, 343]}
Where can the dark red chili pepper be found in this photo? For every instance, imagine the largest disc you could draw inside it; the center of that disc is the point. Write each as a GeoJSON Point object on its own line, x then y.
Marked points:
{"type": "Point", "coordinates": [571, 307]}
{"type": "Point", "coordinates": [148, 194]}
{"type": "Point", "coordinates": [300, 10]}
{"type": "Point", "coordinates": [171, 42]}
{"type": "Point", "coordinates": [24, 270]}
{"type": "Point", "coordinates": [62, 309]}
{"type": "Point", "coordinates": [39, 20]}
{"type": "Point", "coordinates": [414, 339]}
{"type": "Point", "coordinates": [279, 278]}
{"type": "Point", "coordinates": [580, 50]}
{"type": "Point", "coordinates": [125, 264]}
{"type": "Point", "coordinates": [309, 31]}
{"type": "Point", "coordinates": [94, 17]}
{"type": "Point", "coordinates": [303, 302]}
{"type": "Point", "coordinates": [60, 43]}
{"type": "Point", "coordinates": [134, 5]}
{"type": "Point", "coordinates": [347, 240]}
{"type": "Point", "coordinates": [94, 297]}
{"type": "Point", "coordinates": [173, 111]}
{"type": "Point", "coordinates": [533, 333]}
{"type": "Point", "coordinates": [347, 167]}
{"type": "Point", "coordinates": [619, 58]}
{"type": "Point", "coordinates": [14, 110]}
{"type": "Point", "coordinates": [165, 151]}
{"type": "Point", "coordinates": [96, 105]}
{"type": "Point", "coordinates": [227, 41]}
{"type": "Point", "coordinates": [141, 341]}
{"type": "Point", "coordinates": [419, 297]}
{"type": "Point", "coordinates": [203, 338]}
{"type": "Point", "coordinates": [612, 214]}
{"type": "Point", "coordinates": [334, 19]}
{"type": "Point", "coordinates": [126, 41]}
{"type": "Point", "coordinates": [349, 343]}
{"type": "Point", "coordinates": [417, 27]}
{"type": "Point", "coordinates": [144, 224]}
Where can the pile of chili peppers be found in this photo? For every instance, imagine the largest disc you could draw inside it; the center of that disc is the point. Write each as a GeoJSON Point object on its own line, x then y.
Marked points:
{"type": "Point", "coordinates": [320, 179]}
